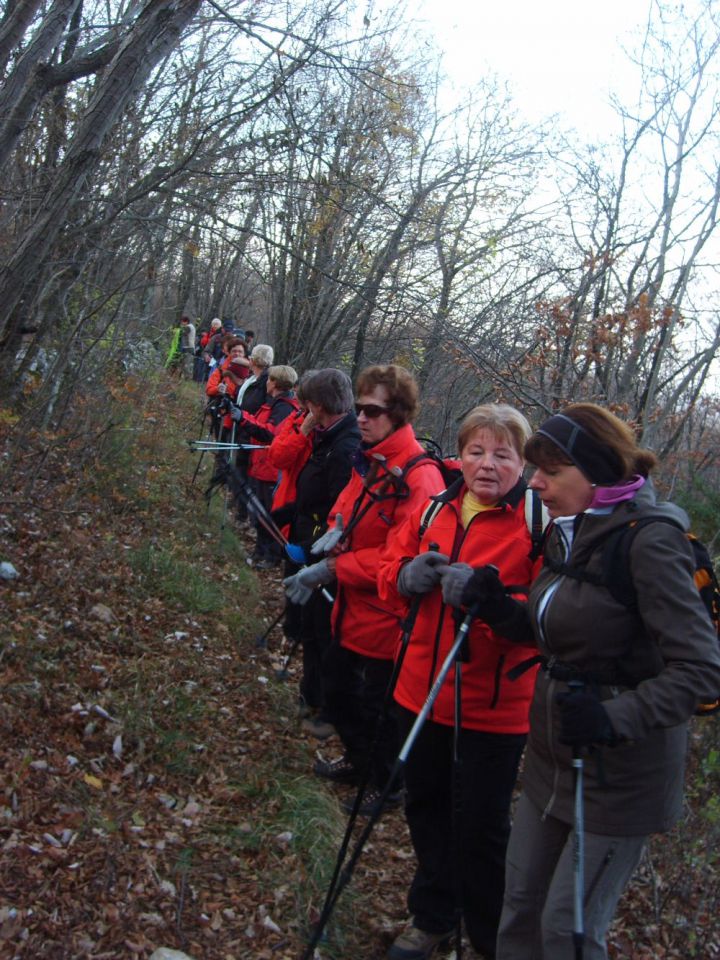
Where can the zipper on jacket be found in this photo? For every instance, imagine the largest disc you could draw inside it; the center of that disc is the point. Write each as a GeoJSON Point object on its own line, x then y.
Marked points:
{"type": "Point", "coordinates": [458, 540]}
{"type": "Point", "coordinates": [498, 680]}
{"type": "Point", "coordinates": [436, 651]}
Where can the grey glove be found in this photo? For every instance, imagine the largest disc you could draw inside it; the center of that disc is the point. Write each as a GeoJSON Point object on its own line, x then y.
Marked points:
{"type": "Point", "coordinates": [330, 539]}
{"type": "Point", "coordinates": [454, 579]}
{"type": "Point", "coordinates": [300, 587]}
{"type": "Point", "coordinates": [422, 573]}
{"type": "Point", "coordinates": [236, 412]}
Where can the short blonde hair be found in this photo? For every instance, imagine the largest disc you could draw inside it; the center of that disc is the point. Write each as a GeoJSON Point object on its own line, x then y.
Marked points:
{"type": "Point", "coordinates": [500, 419]}
{"type": "Point", "coordinates": [284, 377]}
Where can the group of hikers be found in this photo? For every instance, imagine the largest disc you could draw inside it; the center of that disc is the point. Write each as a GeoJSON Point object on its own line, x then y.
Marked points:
{"type": "Point", "coordinates": [194, 352]}
{"type": "Point", "coordinates": [392, 560]}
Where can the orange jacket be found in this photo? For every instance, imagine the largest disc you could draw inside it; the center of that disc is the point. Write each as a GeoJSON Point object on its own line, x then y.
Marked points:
{"type": "Point", "coordinates": [500, 536]}
{"type": "Point", "coordinates": [360, 620]}
{"type": "Point", "coordinates": [216, 378]}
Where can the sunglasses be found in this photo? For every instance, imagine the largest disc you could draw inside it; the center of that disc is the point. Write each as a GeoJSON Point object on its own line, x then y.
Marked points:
{"type": "Point", "coordinates": [371, 410]}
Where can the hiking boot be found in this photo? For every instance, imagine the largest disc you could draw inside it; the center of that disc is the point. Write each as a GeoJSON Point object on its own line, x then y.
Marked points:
{"type": "Point", "coordinates": [339, 771]}
{"type": "Point", "coordinates": [415, 944]}
{"type": "Point", "coordinates": [318, 728]}
{"type": "Point", "coordinates": [370, 805]}
{"type": "Point", "coordinates": [304, 709]}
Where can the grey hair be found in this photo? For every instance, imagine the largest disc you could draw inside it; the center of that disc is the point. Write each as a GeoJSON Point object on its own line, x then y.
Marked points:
{"type": "Point", "coordinates": [262, 355]}
{"type": "Point", "coordinates": [330, 389]}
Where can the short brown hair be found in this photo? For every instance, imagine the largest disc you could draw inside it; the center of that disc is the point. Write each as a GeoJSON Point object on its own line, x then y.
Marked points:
{"type": "Point", "coordinates": [232, 341]}
{"type": "Point", "coordinates": [607, 430]}
{"type": "Point", "coordinates": [402, 390]}
{"type": "Point", "coordinates": [500, 419]}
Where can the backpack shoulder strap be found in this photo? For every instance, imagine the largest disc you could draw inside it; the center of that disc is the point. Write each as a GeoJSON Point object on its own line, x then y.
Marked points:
{"type": "Point", "coordinates": [428, 515]}
{"type": "Point", "coordinates": [537, 519]}
{"type": "Point", "coordinates": [617, 572]}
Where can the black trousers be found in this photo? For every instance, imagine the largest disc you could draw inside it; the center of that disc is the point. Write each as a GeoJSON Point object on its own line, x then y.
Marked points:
{"type": "Point", "coordinates": [315, 633]}
{"type": "Point", "coordinates": [355, 692]}
{"type": "Point", "coordinates": [459, 823]}
{"type": "Point", "coordinates": [266, 547]}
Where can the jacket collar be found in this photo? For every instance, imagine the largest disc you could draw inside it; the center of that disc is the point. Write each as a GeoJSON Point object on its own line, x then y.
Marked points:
{"type": "Point", "coordinates": [456, 491]}
{"type": "Point", "coordinates": [396, 446]}
{"type": "Point", "coordinates": [348, 424]}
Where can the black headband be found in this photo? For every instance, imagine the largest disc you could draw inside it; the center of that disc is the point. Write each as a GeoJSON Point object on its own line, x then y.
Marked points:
{"type": "Point", "coordinates": [598, 462]}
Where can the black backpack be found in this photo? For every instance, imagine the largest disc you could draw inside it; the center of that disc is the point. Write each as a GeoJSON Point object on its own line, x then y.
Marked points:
{"type": "Point", "coordinates": [617, 579]}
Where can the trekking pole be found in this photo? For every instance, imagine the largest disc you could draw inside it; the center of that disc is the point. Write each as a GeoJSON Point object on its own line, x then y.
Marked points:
{"type": "Point", "coordinates": [261, 638]}
{"type": "Point", "coordinates": [202, 453]}
{"type": "Point", "coordinates": [398, 768]}
{"type": "Point", "coordinates": [456, 808]}
{"type": "Point", "coordinates": [282, 672]}
{"type": "Point", "coordinates": [578, 846]}
{"type": "Point", "coordinates": [408, 625]}
{"type": "Point", "coordinates": [227, 489]}
{"type": "Point", "coordinates": [292, 550]}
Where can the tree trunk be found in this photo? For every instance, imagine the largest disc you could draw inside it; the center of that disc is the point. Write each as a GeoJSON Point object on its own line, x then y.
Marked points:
{"type": "Point", "coordinates": [154, 34]}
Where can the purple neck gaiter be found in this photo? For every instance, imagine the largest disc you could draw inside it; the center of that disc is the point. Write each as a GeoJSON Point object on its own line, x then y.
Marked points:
{"type": "Point", "coordinates": [609, 496]}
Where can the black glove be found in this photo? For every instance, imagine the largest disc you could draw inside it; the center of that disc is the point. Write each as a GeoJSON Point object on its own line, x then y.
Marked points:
{"type": "Point", "coordinates": [485, 592]}
{"type": "Point", "coordinates": [583, 720]}
{"type": "Point", "coordinates": [485, 595]}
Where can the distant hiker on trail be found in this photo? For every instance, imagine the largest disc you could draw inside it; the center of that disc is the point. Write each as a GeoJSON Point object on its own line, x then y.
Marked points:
{"type": "Point", "coordinates": [288, 453]}
{"type": "Point", "coordinates": [458, 814]}
{"type": "Point", "coordinates": [215, 325]}
{"type": "Point", "coordinates": [187, 346]}
{"type": "Point", "coordinates": [280, 403]}
{"type": "Point", "coordinates": [224, 381]}
{"type": "Point", "coordinates": [212, 348]}
{"type": "Point", "coordinates": [199, 365]}
{"type": "Point", "coordinates": [335, 438]}
{"type": "Point", "coordinates": [251, 396]}
{"type": "Point", "coordinates": [174, 356]}
{"type": "Point", "coordinates": [609, 718]}
{"type": "Point", "coordinates": [359, 663]}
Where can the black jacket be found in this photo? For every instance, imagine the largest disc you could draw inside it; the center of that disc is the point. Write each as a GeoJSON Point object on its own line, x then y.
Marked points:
{"type": "Point", "coordinates": [320, 481]}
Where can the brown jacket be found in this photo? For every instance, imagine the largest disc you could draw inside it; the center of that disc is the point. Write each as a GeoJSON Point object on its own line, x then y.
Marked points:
{"type": "Point", "coordinates": [667, 654]}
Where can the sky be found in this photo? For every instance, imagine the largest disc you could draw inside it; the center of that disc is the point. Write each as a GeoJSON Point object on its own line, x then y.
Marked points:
{"type": "Point", "coordinates": [560, 56]}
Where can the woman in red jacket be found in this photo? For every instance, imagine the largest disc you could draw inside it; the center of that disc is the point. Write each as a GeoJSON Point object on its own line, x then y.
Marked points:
{"type": "Point", "coordinates": [261, 429]}
{"type": "Point", "coordinates": [288, 452]}
{"type": "Point", "coordinates": [459, 815]}
{"type": "Point", "coordinates": [359, 663]}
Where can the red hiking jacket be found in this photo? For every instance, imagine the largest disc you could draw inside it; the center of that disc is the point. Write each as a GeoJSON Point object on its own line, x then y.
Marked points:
{"type": "Point", "coordinates": [288, 453]}
{"type": "Point", "coordinates": [490, 701]}
{"type": "Point", "coordinates": [360, 620]}
{"type": "Point", "coordinates": [263, 428]}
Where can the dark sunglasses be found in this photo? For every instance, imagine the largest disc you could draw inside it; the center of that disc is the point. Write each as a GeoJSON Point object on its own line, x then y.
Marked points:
{"type": "Point", "coordinates": [371, 410]}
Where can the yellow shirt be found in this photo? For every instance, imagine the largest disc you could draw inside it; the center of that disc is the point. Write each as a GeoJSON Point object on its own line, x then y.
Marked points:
{"type": "Point", "coordinates": [471, 506]}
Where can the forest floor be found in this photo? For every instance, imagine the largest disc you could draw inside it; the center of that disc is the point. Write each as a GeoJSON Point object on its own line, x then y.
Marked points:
{"type": "Point", "coordinates": [155, 784]}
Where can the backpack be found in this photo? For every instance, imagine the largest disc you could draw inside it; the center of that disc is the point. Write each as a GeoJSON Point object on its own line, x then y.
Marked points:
{"type": "Point", "coordinates": [449, 467]}
{"type": "Point", "coordinates": [616, 577]}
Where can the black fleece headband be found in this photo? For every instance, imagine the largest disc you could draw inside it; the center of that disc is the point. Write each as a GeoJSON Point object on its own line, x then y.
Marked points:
{"type": "Point", "coordinates": [598, 462]}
